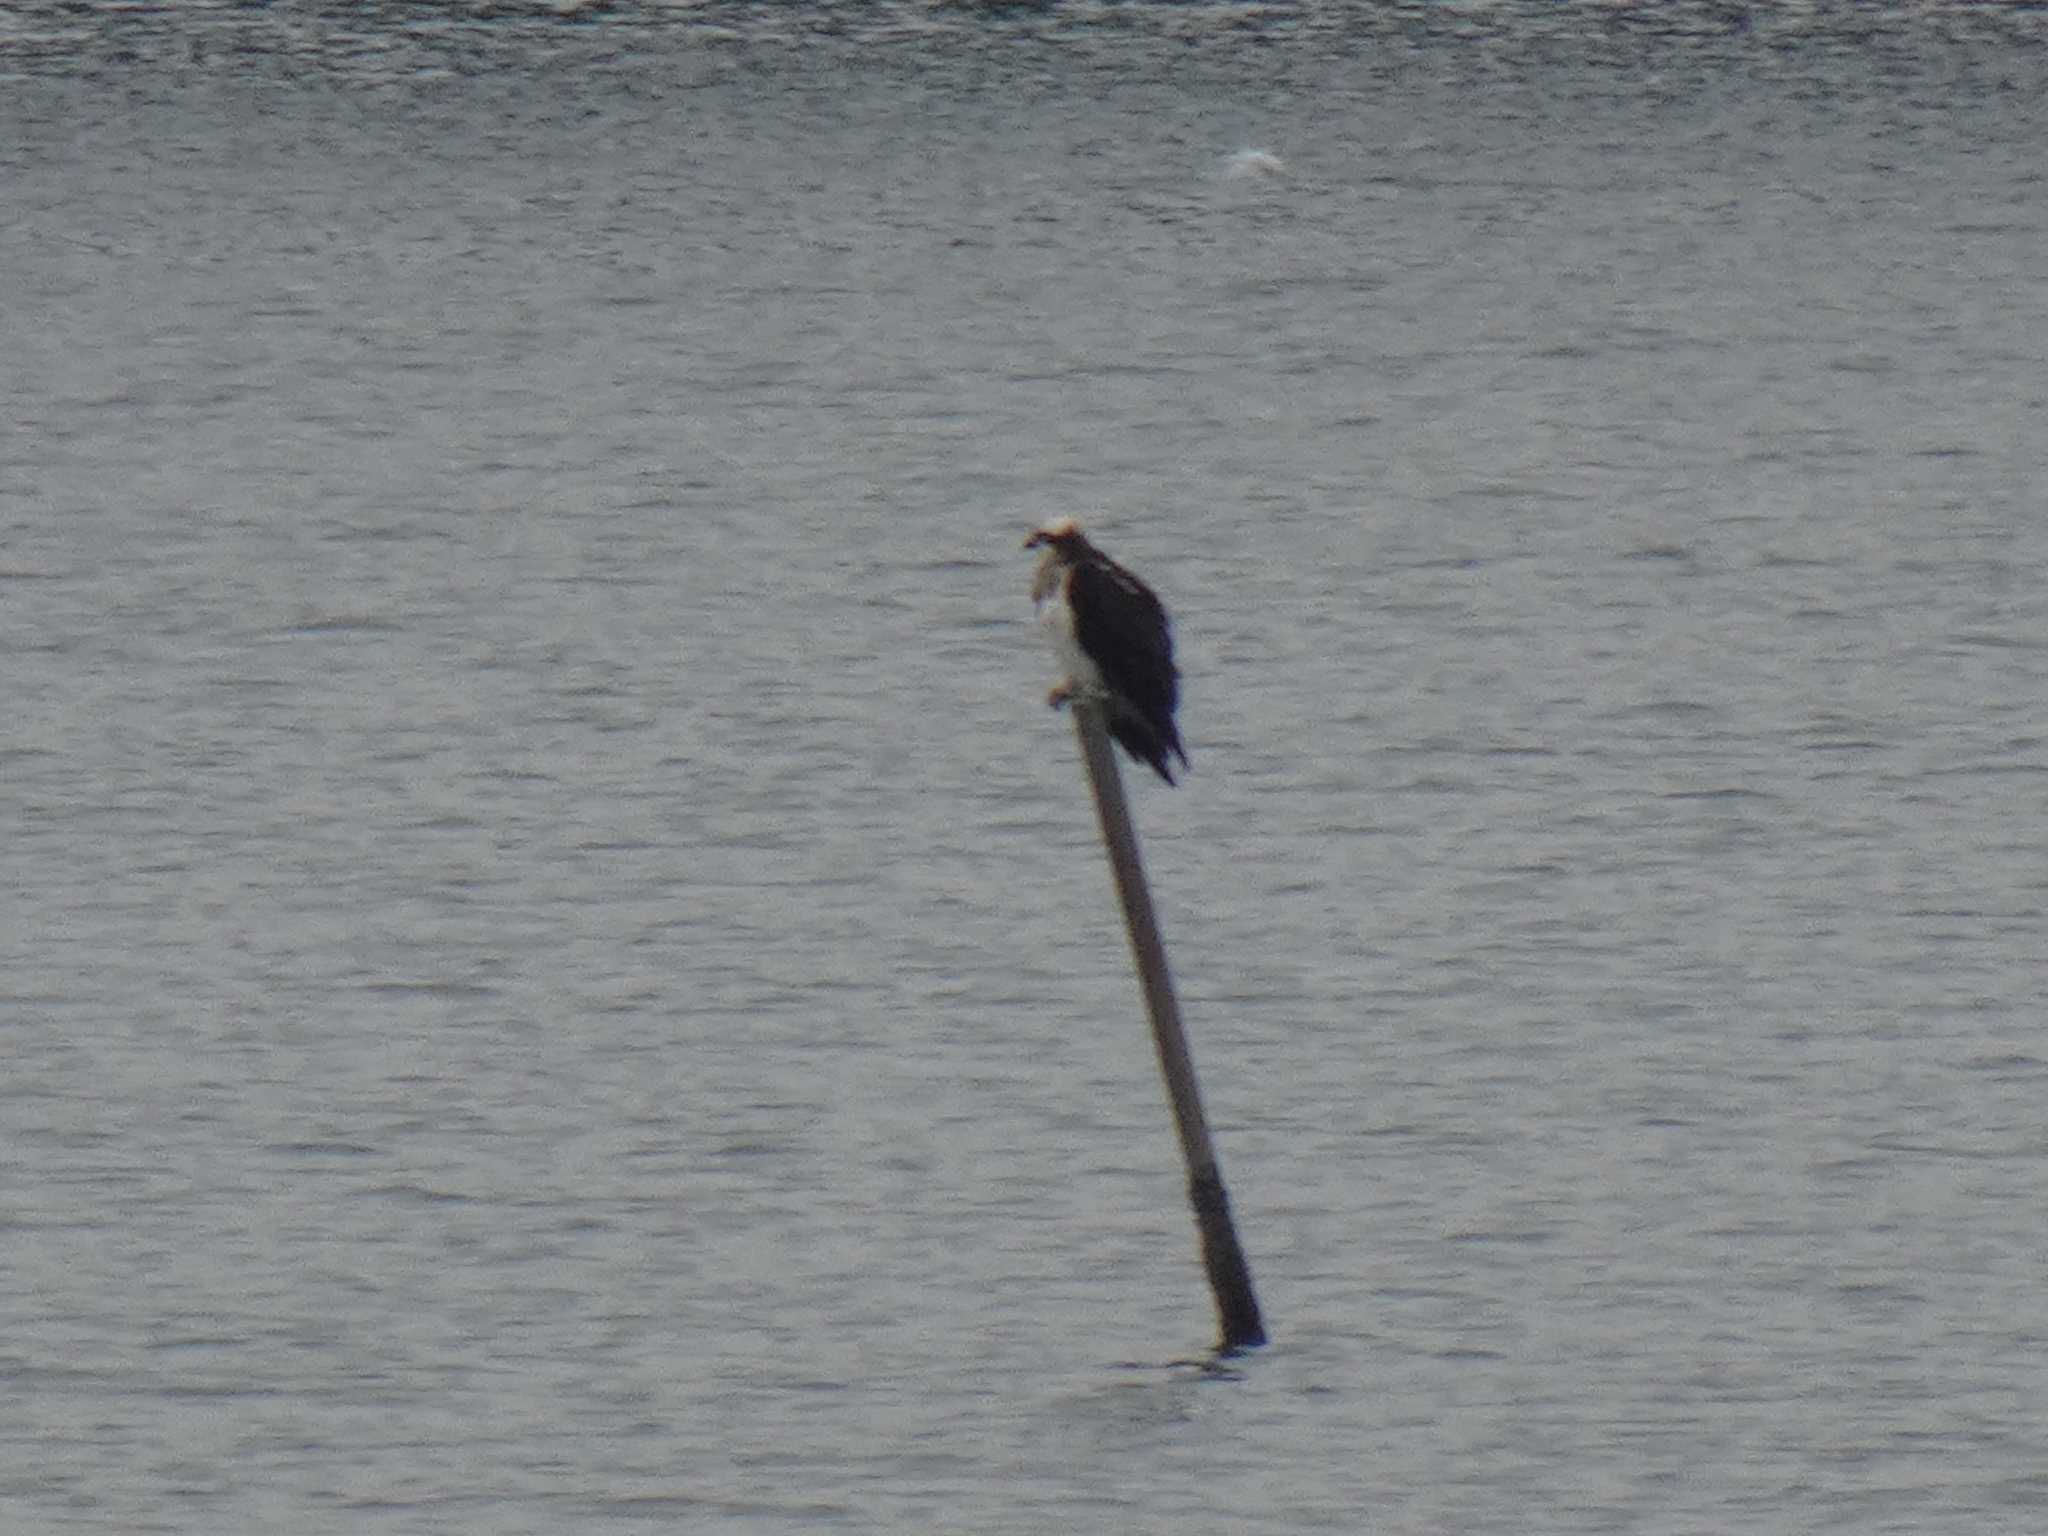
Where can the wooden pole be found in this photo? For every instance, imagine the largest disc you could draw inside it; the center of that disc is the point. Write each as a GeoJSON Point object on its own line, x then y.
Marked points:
{"type": "Point", "coordinates": [1229, 1276]}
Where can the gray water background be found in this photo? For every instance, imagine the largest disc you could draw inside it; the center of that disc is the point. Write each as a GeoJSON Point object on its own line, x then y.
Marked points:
{"type": "Point", "coordinates": [554, 971]}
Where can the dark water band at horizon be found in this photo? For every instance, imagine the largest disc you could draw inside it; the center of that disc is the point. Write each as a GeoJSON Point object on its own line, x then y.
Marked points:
{"type": "Point", "coordinates": [1832, 46]}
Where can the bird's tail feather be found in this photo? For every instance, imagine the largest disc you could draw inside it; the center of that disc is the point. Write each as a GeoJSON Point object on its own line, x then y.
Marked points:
{"type": "Point", "coordinates": [1153, 745]}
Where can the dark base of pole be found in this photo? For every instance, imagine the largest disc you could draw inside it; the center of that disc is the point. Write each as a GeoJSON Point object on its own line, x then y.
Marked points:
{"type": "Point", "coordinates": [1229, 1276]}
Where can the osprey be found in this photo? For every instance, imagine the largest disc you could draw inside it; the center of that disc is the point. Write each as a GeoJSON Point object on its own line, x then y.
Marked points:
{"type": "Point", "coordinates": [1111, 636]}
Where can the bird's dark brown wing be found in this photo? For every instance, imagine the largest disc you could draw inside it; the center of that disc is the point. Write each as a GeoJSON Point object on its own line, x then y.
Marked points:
{"type": "Point", "coordinates": [1122, 626]}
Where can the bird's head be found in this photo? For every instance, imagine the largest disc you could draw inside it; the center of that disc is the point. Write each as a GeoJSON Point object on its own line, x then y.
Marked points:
{"type": "Point", "coordinates": [1062, 533]}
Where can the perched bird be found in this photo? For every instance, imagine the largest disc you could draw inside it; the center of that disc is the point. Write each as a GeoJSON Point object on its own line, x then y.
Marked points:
{"type": "Point", "coordinates": [1112, 640]}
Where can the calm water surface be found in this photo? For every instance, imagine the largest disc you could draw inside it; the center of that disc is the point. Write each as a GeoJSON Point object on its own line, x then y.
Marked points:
{"type": "Point", "coordinates": [553, 969]}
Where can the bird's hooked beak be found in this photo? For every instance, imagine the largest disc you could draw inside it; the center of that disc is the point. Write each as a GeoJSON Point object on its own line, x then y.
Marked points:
{"type": "Point", "coordinates": [1037, 538]}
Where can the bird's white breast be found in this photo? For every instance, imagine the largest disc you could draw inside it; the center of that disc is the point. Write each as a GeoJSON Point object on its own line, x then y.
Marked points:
{"type": "Point", "coordinates": [1056, 614]}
